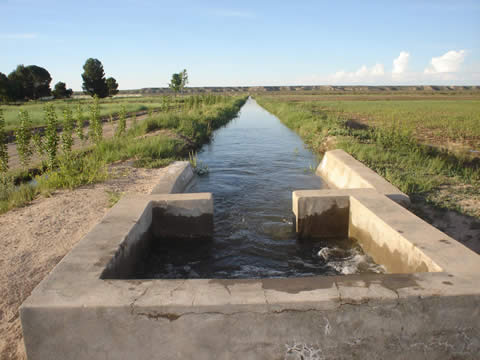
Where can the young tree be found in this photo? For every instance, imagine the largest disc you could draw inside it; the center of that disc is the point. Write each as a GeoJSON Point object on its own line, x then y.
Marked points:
{"type": "Point", "coordinates": [51, 135]}
{"type": "Point", "coordinates": [23, 136]}
{"type": "Point", "coordinates": [93, 76]}
{"type": "Point", "coordinates": [67, 133]}
{"type": "Point", "coordinates": [122, 122]}
{"type": "Point", "coordinates": [184, 79]}
{"type": "Point", "coordinates": [61, 92]}
{"type": "Point", "coordinates": [95, 130]}
{"type": "Point", "coordinates": [176, 83]}
{"type": "Point", "coordinates": [112, 86]}
{"type": "Point", "coordinates": [79, 123]}
{"type": "Point", "coordinates": [3, 145]}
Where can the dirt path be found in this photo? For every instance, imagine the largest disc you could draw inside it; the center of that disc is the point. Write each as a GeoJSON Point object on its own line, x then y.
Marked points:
{"type": "Point", "coordinates": [35, 238]}
{"type": "Point", "coordinates": [108, 132]}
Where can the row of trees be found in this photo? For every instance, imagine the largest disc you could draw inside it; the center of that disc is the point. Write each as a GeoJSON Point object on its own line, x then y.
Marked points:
{"type": "Point", "coordinates": [33, 82]}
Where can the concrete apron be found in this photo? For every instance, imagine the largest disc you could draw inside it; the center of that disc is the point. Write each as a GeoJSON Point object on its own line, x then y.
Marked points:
{"type": "Point", "coordinates": [80, 312]}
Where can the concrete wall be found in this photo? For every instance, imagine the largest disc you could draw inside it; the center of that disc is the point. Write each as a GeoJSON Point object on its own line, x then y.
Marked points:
{"type": "Point", "coordinates": [342, 171]}
{"type": "Point", "coordinates": [390, 234]}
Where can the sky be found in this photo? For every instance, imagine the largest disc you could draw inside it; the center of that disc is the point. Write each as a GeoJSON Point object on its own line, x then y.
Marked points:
{"type": "Point", "coordinates": [141, 43]}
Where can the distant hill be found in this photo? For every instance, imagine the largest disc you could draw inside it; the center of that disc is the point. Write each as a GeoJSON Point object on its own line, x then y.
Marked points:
{"type": "Point", "coordinates": [332, 89]}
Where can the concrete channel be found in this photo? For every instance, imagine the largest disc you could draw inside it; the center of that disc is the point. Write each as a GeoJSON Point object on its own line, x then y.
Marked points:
{"type": "Point", "coordinates": [427, 305]}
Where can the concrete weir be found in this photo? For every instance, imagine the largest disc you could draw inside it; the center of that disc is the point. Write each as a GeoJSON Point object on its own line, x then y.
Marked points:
{"type": "Point", "coordinates": [426, 307]}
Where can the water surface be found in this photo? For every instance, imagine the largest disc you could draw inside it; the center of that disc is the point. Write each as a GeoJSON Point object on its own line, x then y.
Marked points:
{"type": "Point", "coordinates": [254, 163]}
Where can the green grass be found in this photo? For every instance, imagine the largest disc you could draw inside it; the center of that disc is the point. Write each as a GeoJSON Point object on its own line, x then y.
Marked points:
{"type": "Point", "coordinates": [427, 120]}
{"type": "Point", "coordinates": [193, 125]}
{"type": "Point", "coordinates": [390, 150]}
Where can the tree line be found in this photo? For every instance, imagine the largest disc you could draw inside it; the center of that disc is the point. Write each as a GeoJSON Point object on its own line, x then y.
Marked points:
{"type": "Point", "coordinates": [32, 82]}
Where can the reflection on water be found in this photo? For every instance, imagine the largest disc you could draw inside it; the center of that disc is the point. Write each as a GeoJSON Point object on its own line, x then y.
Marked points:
{"type": "Point", "coordinates": [254, 164]}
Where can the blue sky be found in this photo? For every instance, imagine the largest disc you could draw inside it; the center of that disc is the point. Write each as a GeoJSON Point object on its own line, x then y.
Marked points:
{"type": "Point", "coordinates": [221, 43]}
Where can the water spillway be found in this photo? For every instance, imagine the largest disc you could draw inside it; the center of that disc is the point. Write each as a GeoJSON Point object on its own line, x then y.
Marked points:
{"type": "Point", "coordinates": [254, 164]}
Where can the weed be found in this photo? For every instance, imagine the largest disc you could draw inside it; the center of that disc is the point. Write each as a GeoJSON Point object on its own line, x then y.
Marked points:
{"type": "Point", "coordinates": [113, 197]}
{"type": "Point", "coordinates": [198, 167]}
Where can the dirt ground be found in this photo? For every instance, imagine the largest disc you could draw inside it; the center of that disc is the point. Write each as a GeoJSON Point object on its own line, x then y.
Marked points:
{"type": "Point", "coordinates": [35, 238]}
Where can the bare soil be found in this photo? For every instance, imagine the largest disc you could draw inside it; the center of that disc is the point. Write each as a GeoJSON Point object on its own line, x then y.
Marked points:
{"type": "Point", "coordinates": [35, 238]}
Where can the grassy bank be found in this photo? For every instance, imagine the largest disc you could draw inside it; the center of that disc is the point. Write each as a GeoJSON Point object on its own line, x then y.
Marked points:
{"type": "Point", "coordinates": [390, 146]}
{"type": "Point", "coordinates": [155, 142]}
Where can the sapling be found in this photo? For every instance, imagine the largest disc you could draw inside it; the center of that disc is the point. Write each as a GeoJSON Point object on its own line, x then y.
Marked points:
{"type": "Point", "coordinates": [134, 119]}
{"type": "Point", "coordinates": [122, 122]}
{"type": "Point", "coordinates": [79, 123]}
{"type": "Point", "coordinates": [3, 145]}
{"type": "Point", "coordinates": [67, 133]}
{"type": "Point", "coordinates": [23, 136]}
{"type": "Point", "coordinates": [38, 143]}
{"type": "Point", "coordinates": [51, 135]}
{"type": "Point", "coordinates": [95, 131]}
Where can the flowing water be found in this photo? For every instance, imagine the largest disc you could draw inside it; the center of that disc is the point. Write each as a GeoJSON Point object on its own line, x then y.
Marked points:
{"type": "Point", "coordinates": [254, 164]}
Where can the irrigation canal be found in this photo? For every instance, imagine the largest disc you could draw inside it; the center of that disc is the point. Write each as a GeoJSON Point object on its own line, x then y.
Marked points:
{"type": "Point", "coordinates": [254, 164]}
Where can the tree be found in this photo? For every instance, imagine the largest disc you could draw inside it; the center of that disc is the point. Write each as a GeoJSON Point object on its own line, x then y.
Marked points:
{"type": "Point", "coordinates": [61, 92]}
{"type": "Point", "coordinates": [20, 83]}
{"type": "Point", "coordinates": [29, 82]}
{"type": "Point", "coordinates": [41, 79]}
{"type": "Point", "coordinates": [112, 86]}
{"type": "Point", "coordinates": [5, 91]}
{"type": "Point", "coordinates": [184, 79]}
{"type": "Point", "coordinates": [179, 81]}
{"type": "Point", "coordinates": [93, 76]}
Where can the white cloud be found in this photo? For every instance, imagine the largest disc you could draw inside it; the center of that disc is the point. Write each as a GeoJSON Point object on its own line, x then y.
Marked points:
{"type": "Point", "coordinates": [400, 63]}
{"type": "Point", "coordinates": [364, 74]}
{"type": "Point", "coordinates": [19, 36]}
{"type": "Point", "coordinates": [447, 63]}
{"type": "Point", "coordinates": [378, 70]}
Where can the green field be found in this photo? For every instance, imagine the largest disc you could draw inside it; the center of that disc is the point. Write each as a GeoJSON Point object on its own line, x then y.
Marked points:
{"type": "Point", "coordinates": [428, 148]}
{"type": "Point", "coordinates": [427, 120]}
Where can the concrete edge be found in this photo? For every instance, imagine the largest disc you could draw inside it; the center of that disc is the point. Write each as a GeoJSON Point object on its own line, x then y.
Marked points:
{"type": "Point", "coordinates": [177, 178]}
{"type": "Point", "coordinates": [449, 255]}
{"type": "Point", "coordinates": [342, 171]}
